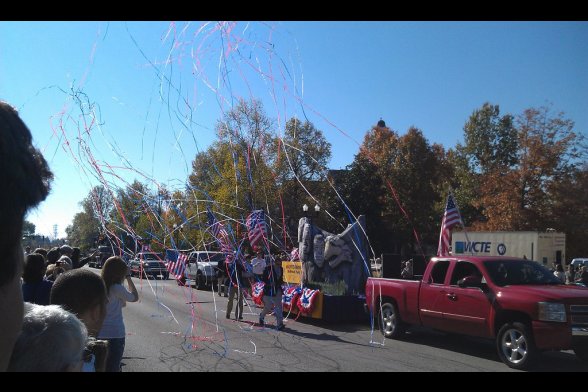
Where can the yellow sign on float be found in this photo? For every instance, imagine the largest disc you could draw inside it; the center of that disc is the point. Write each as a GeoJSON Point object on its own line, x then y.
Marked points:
{"type": "Point", "coordinates": [292, 271]}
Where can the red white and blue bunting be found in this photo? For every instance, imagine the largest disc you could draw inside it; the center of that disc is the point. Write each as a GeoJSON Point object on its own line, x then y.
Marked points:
{"type": "Point", "coordinates": [290, 296]}
{"type": "Point", "coordinates": [307, 300]}
{"type": "Point", "coordinates": [257, 293]}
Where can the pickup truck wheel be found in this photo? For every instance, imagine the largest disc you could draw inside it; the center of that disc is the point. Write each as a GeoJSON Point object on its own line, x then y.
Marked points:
{"type": "Point", "coordinates": [515, 345]}
{"type": "Point", "coordinates": [390, 323]}
{"type": "Point", "coordinates": [581, 352]}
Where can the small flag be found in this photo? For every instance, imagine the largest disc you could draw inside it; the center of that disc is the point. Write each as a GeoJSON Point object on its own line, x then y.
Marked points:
{"type": "Point", "coordinates": [451, 218]}
{"type": "Point", "coordinates": [218, 231]}
{"type": "Point", "coordinates": [256, 227]}
{"type": "Point", "coordinates": [178, 267]}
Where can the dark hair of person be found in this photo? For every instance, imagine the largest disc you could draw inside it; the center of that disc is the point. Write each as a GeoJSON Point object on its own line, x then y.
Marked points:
{"type": "Point", "coordinates": [75, 257]}
{"type": "Point", "coordinates": [53, 255]}
{"type": "Point", "coordinates": [25, 178]}
{"type": "Point", "coordinates": [34, 268]}
{"type": "Point", "coordinates": [41, 251]}
{"type": "Point", "coordinates": [78, 291]}
{"type": "Point", "coordinates": [114, 271]}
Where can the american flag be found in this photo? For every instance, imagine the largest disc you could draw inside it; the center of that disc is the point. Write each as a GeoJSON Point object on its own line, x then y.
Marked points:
{"type": "Point", "coordinates": [256, 227]}
{"type": "Point", "coordinates": [451, 218]}
{"type": "Point", "coordinates": [177, 268]}
{"type": "Point", "coordinates": [218, 231]}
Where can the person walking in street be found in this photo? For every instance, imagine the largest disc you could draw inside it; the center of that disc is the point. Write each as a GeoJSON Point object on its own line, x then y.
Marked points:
{"type": "Point", "coordinates": [272, 293]}
{"type": "Point", "coordinates": [235, 270]}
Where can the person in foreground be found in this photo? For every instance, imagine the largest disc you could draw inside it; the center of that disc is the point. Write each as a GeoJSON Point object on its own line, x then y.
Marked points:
{"type": "Point", "coordinates": [25, 178]}
{"type": "Point", "coordinates": [52, 340]}
{"type": "Point", "coordinates": [83, 293]}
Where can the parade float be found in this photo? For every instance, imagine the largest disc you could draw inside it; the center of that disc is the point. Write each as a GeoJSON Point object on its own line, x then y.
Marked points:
{"type": "Point", "coordinates": [325, 278]}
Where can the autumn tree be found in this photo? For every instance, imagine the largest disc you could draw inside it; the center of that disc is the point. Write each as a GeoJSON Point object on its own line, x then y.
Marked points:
{"type": "Point", "coordinates": [569, 212]}
{"type": "Point", "coordinates": [409, 172]}
{"type": "Point", "coordinates": [550, 153]}
{"type": "Point", "coordinates": [520, 189]}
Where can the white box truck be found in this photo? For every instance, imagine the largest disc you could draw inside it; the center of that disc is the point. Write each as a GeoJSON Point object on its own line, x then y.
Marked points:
{"type": "Point", "coordinates": [544, 247]}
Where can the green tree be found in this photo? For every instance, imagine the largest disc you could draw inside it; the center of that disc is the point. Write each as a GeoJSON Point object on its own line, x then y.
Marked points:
{"type": "Point", "coordinates": [135, 217]}
{"type": "Point", "coordinates": [414, 178]}
{"type": "Point", "coordinates": [361, 191]}
{"type": "Point", "coordinates": [87, 224]}
{"type": "Point", "coordinates": [486, 158]}
{"type": "Point", "coordinates": [233, 176]}
{"type": "Point", "coordinates": [28, 228]}
{"type": "Point", "coordinates": [246, 124]}
{"type": "Point", "coordinates": [490, 140]}
{"type": "Point", "coordinates": [300, 161]}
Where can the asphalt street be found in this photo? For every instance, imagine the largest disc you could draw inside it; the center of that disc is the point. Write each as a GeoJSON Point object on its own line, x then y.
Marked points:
{"type": "Point", "coordinates": [175, 328]}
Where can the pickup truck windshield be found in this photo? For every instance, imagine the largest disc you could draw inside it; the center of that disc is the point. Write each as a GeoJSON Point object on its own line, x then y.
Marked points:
{"type": "Point", "coordinates": [519, 272]}
{"type": "Point", "coordinates": [151, 256]}
{"type": "Point", "coordinates": [212, 257]}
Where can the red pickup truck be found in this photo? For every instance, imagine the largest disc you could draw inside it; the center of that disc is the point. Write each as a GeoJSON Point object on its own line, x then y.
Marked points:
{"type": "Point", "coordinates": [517, 302]}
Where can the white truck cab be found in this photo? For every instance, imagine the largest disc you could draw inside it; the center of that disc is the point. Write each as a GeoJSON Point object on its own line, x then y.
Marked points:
{"type": "Point", "coordinates": [201, 268]}
{"type": "Point", "coordinates": [579, 262]}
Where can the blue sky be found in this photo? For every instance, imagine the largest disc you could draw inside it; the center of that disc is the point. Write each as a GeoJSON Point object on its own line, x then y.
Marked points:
{"type": "Point", "coordinates": [134, 79]}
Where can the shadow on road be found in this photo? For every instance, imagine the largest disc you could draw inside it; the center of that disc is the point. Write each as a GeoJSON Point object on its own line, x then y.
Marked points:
{"type": "Point", "coordinates": [556, 361]}
{"type": "Point", "coordinates": [339, 327]}
{"type": "Point", "coordinates": [322, 337]}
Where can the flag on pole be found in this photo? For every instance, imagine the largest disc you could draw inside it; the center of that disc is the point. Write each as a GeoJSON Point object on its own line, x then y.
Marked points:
{"type": "Point", "coordinates": [176, 268]}
{"type": "Point", "coordinates": [218, 231]}
{"type": "Point", "coordinates": [256, 227]}
{"type": "Point", "coordinates": [451, 218]}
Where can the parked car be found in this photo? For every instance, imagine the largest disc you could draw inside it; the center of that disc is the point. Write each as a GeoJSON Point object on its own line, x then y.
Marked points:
{"type": "Point", "coordinates": [518, 303]}
{"type": "Point", "coordinates": [149, 264]}
{"type": "Point", "coordinates": [202, 268]}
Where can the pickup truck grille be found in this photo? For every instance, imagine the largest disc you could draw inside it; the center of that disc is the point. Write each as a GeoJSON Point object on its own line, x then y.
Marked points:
{"type": "Point", "coordinates": [579, 309]}
{"type": "Point", "coordinates": [577, 319]}
{"type": "Point", "coordinates": [579, 315]}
